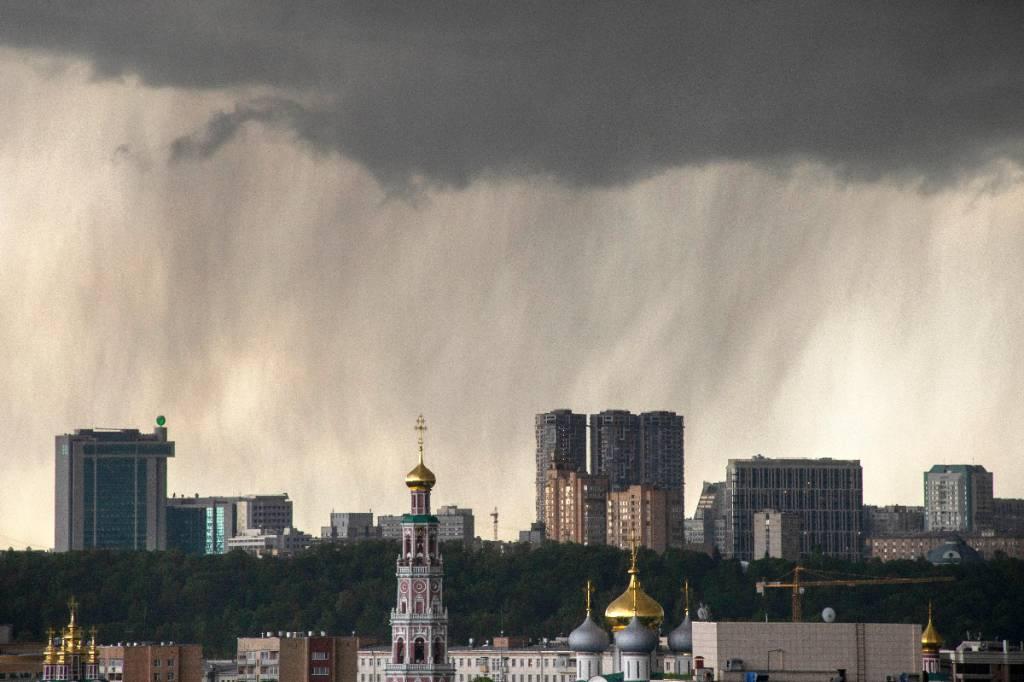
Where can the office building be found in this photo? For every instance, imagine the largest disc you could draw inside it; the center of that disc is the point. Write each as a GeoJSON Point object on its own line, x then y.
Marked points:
{"type": "Point", "coordinates": [576, 507]}
{"type": "Point", "coordinates": [186, 529]}
{"type": "Point", "coordinates": [268, 513]}
{"type": "Point", "coordinates": [645, 515]}
{"type": "Point", "coordinates": [958, 497]}
{"type": "Point", "coordinates": [615, 448]}
{"type": "Point", "coordinates": [297, 657]}
{"type": "Point", "coordinates": [455, 524]}
{"type": "Point", "coordinates": [111, 489]}
{"type": "Point", "coordinates": [708, 524]}
{"type": "Point", "coordinates": [151, 663]}
{"type": "Point", "coordinates": [776, 535]}
{"type": "Point", "coordinates": [219, 518]}
{"type": "Point", "coordinates": [827, 495]}
{"type": "Point", "coordinates": [390, 526]}
{"type": "Point", "coordinates": [350, 526]}
{"type": "Point", "coordinates": [261, 543]}
{"type": "Point", "coordinates": [893, 519]}
{"type": "Point", "coordinates": [1008, 515]}
{"type": "Point", "coordinates": [562, 443]}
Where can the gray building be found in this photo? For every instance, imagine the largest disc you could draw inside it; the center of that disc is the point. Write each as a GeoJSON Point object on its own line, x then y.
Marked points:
{"type": "Point", "coordinates": [827, 495]}
{"type": "Point", "coordinates": [892, 519]}
{"type": "Point", "coordinates": [562, 443]}
{"type": "Point", "coordinates": [1008, 515]}
{"type": "Point", "coordinates": [707, 527]}
{"type": "Point", "coordinates": [390, 526]}
{"type": "Point", "coordinates": [776, 535]}
{"type": "Point", "coordinates": [957, 497]}
{"type": "Point", "coordinates": [268, 513]}
{"type": "Point", "coordinates": [111, 489]}
{"type": "Point", "coordinates": [456, 524]}
{"type": "Point", "coordinates": [661, 450]}
{"type": "Point", "coordinates": [350, 526]}
{"type": "Point", "coordinates": [615, 448]}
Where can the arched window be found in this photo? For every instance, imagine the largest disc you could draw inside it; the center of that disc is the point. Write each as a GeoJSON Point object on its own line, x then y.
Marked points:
{"type": "Point", "coordinates": [418, 653]}
{"type": "Point", "coordinates": [418, 606]}
{"type": "Point", "coordinates": [400, 651]}
{"type": "Point", "coordinates": [438, 651]}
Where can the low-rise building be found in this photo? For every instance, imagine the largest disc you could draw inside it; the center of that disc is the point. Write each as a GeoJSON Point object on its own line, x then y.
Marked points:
{"type": "Point", "coordinates": [297, 657]}
{"type": "Point", "coordinates": [918, 545]}
{"type": "Point", "coordinates": [151, 663]}
{"type": "Point", "coordinates": [263, 543]}
{"type": "Point", "coordinates": [983, 661]}
{"type": "Point", "coordinates": [455, 524]}
{"type": "Point", "coordinates": [350, 526]}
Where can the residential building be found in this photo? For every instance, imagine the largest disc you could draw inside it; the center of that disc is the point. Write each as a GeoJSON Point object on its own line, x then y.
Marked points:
{"type": "Point", "coordinates": [661, 450]}
{"type": "Point", "coordinates": [350, 526]}
{"type": "Point", "coordinates": [266, 543]}
{"type": "Point", "coordinates": [776, 535]}
{"type": "Point", "coordinates": [827, 495]}
{"type": "Point", "coordinates": [455, 524]}
{"type": "Point", "coordinates": [297, 657]}
{"type": "Point", "coordinates": [577, 507]}
{"type": "Point", "coordinates": [561, 442]}
{"type": "Point", "coordinates": [151, 663]}
{"type": "Point", "coordinates": [893, 519]}
{"type": "Point", "coordinates": [390, 526]}
{"type": "Point", "coordinates": [807, 652]}
{"type": "Point", "coordinates": [919, 545]}
{"type": "Point", "coordinates": [215, 670]}
{"type": "Point", "coordinates": [536, 535]}
{"type": "Point", "coordinates": [645, 515]}
{"type": "Point", "coordinates": [269, 513]}
{"type": "Point", "coordinates": [1008, 515]}
{"type": "Point", "coordinates": [615, 448]}
{"type": "Point", "coordinates": [958, 497]}
{"type": "Point", "coordinates": [111, 489]}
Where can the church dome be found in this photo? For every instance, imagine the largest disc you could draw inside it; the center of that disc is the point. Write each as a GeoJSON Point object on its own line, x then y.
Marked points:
{"type": "Point", "coordinates": [931, 640]}
{"type": "Point", "coordinates": [680, 640]}
{"type": "Point", "coordinates": [420, 478]}
{"type": "Point", "coordinates": [636, 638]}
{"type": "Point", "coordinates": [589, 637]}
{"type": "Point", "coordinates": [634, 601]}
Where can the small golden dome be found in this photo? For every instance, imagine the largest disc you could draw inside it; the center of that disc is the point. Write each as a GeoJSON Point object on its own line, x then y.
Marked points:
{"type": "Point", "coordinates": [420, 478]}
{"type": "Point", "coordinates": [634, 600]}
{"type": "Point", "coordinates": [931, 640]}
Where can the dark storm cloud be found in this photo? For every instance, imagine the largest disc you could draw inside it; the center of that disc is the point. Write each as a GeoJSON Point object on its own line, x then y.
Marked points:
{"type": "Point", "coordinates": [591, 93]}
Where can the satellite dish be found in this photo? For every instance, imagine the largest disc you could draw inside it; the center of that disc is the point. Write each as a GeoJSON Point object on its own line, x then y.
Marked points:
{"type": "Point", "coordinates": [703, 612]}
{"type": "Point", "coordinates": [828, 614]}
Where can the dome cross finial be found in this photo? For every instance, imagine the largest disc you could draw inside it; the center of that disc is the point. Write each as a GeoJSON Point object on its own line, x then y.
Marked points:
{"type": "Point", "coordinates": [72, 607]}
{"type": "Point", "coordinates": [587, 591]}
{"type": "Point", "coordinates": [686, 596]}
{"type": "Point", "coordinates": [421, 427]}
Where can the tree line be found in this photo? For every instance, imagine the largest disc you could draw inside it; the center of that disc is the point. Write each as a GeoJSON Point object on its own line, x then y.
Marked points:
{"type": "Point", "coordinates": [536, 593]}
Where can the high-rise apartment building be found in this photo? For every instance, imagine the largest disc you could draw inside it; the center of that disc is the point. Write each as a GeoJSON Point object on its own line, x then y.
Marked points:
{"type": "Point", "coordinates": [649, 516]}
{"type": "Point", "coordinates": [562, 443]}
{"type": "Point", "coordinates": [661, 450]}
{"type": "Point", "coordinates": [576, 507]}
{"type": "Point", "coordinates": [827, 495]}
{"type": "Point", "coordinates": [958, 497]}
{"type": "Point", "coordinates": [268, 513]}
{"type": "Point", "coordinates": [111, 489]}
{"type": "Point", "coordinates": [615, 447]}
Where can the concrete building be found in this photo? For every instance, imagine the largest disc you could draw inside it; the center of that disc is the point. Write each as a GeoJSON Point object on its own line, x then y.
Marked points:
{"type": "Point", "coordinates": [390, 526]}
{"type": "Point", "coordinates": [263, 543]}
{"type": "Point", "coordinates": [297, 657]}
{"type": "Point", "coordinates": [536, 535]}
{"type": "Point", "coordinates": [958, 497]}
{"type": "Point", "coordinates": [455, 524]}
{"type": "Point", "coordinates": [707, 527]}
{"type": "Point", "coordinates": [615, 448]}
{"type": "Point", "coordinates": [827, 495]}
{"type": "Point", "coordinates": [111, 489]}
{"type": "Point", "coordinates": [577, 507]}
{"type": "Point", "coordinates": [350, 526]}
{"type": "Point", "coordinates": [798, 652]}
{"type": "Point", "coordinates": [1008, 516]}
{"type": "Point", "coordinates": [776, 535]}
{"type": "Point", "coordinates": [918, 545]}
{"type": "Point", "coordinates": [503, 659]}
{"type": "Point", "coordinates": [984, 661]}
{"type": "Point", "coordinates": [645, 514]}
{"type": "Point", "coordinates": [561, 442]}
{"type": "Point", "coordinates": [268, 513]}
{"type": "Point", "coordinates": [151, 663]}
{"type": "Point", "coordinates": [893, 519]}
{"type": "Point", "coordinates": [661, 450]}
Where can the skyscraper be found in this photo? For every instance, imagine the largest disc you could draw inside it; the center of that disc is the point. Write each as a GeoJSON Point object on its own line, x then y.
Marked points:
{"type": "Point", "coordinates": [562, 443]}
{"type": "Point", "coordinates": [661, 450]}
{"type": "Point", "coordinates": [958, 497]}
{"type": "Point", "coordinates": [111, 489]}
{"type": "Point", "coordinates": [827, 495]}
{"type": "Point", "coordinates": [615, 447]}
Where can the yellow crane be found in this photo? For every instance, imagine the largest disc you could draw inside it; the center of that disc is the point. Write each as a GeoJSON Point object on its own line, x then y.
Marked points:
{"type": "Point", "coordinates": [798, 584]}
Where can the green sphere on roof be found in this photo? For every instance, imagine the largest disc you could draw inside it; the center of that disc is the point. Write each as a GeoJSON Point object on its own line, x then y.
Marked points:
{"type": "Point", "coordinates": [160, 420]}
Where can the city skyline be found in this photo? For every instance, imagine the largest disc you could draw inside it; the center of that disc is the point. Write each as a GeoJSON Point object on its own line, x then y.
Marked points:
{"type": "Point", "coordinates": [290, 232]}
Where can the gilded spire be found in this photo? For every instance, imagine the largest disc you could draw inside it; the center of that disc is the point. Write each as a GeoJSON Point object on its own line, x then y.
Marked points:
{"type": "Point", "coordinates": [931, 640]}
{"type": "Point", "coordinates": [49, 653]}
{"type": "Point", "coordinates": [634, 601]}
{"type": "Point", "coordinates": [587, 591]}
{"type": "Point", "coordinates": [686, 596]}
{"type": "Point", "coordinates": [93, 656]}
{"type": "Point", "coordinates": [420, 478]}
{"type": "Point", "coordinates": [73, 608]}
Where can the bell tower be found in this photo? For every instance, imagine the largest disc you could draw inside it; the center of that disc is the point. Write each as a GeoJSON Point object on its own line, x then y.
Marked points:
{"type": "Point", "coordinates": [419, 621]}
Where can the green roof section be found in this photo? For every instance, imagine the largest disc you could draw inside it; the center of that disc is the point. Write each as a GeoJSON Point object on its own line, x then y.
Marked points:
{"type": "Point", "coordinates": [419, 518]}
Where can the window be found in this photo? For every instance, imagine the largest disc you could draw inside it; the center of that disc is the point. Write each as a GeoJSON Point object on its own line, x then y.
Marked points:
{"type": "Point", "coordinates": [170, 676]}
{"type": "Point", "coordinates": [156, 662]}
{"type": "Point", "coordinates": [156, 677]}
{"type": "Point", "coordinates": [320, 672]}
{"type": "Point", "coordinates": [170, 662]}
{"type": "Point", "coordinates": [319, 656]}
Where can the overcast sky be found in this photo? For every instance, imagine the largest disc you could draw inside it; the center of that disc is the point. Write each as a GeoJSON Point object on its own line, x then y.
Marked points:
{"type": "Point", "coordinates": [291, 231]}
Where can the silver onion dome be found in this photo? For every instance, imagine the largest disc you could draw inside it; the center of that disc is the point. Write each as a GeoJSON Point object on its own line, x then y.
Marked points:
{"type": "Point", "coordinates": [680, 640]}
{"type": "Point", "coordinates": [635, 638]}
{"type": "Point", "coordinates": [589, 637]}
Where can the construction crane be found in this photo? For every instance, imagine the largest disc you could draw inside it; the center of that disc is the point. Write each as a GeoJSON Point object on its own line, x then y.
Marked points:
{"type": "Point", "coordinates": [494, 516]}
{"type": "Point", "coordinates": [798, 585]}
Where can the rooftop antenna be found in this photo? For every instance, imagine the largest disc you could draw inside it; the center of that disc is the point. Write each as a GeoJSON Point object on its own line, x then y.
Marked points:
{"type": "Point", "coordinates": [494, 516]}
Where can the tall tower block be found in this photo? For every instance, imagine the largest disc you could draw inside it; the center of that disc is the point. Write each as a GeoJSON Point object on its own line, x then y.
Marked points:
{"type": "Point", "coordinates": [419, 621]}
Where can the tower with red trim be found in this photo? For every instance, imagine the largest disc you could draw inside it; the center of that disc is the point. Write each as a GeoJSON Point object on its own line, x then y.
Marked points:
{"type": "Point", "coordinates": [419, 621]}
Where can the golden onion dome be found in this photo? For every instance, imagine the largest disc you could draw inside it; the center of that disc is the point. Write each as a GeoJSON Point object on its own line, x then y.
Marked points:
{"type": "Point", "coordinates": [634, 600]}
{"type": "Point", "coordinates": [420, 478]}
{"type": "Point", "coordinates": [931, 640]}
